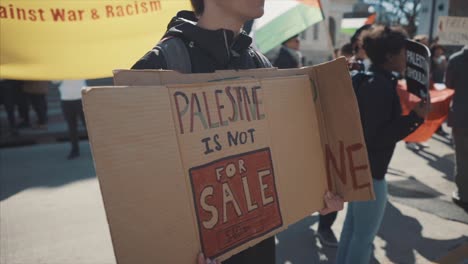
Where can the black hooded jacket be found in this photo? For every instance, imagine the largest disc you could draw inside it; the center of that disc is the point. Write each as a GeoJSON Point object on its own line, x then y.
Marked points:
{"type": "Point", "coordinates": [209, 50]}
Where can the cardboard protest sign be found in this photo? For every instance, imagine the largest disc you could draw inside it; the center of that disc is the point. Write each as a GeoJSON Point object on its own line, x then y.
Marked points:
{"type": "Point", "coordinates": [218, 166]}
{"type": "Point", "coordinates": [417, 69]}
{"type": "Point", "coordinates": [336, 107]}
{"type": "Point", "coordinates": [453, 30]}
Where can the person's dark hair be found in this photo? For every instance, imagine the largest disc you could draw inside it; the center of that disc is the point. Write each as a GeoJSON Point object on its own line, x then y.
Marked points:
{"type": "Point", "coordinates": [435, 47]}
{"type": "Point", "coordinates": [347, 49]}
{"type": "Point", "coordinates": [382, 41]}
{"type": "Point", "coordinates": [293, 37]}
{"type": "Point", "coordinates": [354, 39]}
{"type": "Point", "coordinates": [198, 6]}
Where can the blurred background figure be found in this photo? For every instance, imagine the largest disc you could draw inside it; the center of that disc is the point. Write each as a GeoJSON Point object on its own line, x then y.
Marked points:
{"type": "Point", "coordinates": [438, 63]}
{"type": "Point", "coordinates": [72, 108]}
{"type": "Point", "coordinates": [457, 79]}
{"type": "Point", "coordinates": [359, 61]}
{"type": "Point", "coordinates": [346, 50]}
{"type": "Point", "coordinates": [423, 39]}
{"type": "Point", "coordinates": [9, 96]}
{"type": "Point", "coordinates": [35, 94]}
{"type": "Point", "coordinates": [438, 68]}
{"type": "Point", "coordinates": [289, 55]}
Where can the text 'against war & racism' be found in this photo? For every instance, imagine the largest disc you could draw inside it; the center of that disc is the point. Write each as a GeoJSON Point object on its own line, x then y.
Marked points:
{"type": "Point", "coordinates": [63, 14]}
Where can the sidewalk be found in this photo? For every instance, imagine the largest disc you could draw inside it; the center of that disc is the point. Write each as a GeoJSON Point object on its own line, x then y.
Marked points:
{"type": "Point", "coordinates": [51, 212]}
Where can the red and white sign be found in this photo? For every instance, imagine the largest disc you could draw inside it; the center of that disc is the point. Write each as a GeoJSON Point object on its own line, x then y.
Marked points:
{"type": "Point", "coordinates": [235, 200]}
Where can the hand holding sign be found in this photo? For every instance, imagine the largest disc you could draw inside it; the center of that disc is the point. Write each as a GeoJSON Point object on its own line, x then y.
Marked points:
{"type": "Point", "coordinates": [333, 203]}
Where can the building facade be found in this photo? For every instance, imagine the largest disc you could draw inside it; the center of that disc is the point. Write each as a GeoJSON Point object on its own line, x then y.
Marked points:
{"type": "Point", "coordinates": [319, 41]}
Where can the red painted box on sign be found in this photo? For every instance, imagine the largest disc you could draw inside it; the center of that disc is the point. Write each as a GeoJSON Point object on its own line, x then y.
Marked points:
{"type": "Point", "coordinates": [235, 200]}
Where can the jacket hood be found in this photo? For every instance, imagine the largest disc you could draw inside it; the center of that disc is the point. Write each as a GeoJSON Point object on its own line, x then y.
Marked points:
{"type": "Point", "coordinates": [219, 44]}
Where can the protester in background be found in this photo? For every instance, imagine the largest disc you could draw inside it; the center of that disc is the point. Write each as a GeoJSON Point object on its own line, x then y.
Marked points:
{"type": "Point", "coordinates": [457, 79]}
{"type": "Point", "coordinates": [289, 55]}
{"type": "Point", "coordinates": [336, 52]}
{"type": "Point", "coordinates": [347, 51]}
{"type": "Point", "coordinates": [9, 96]}
{"type": "Point", "coordinates": [212, 39]}
{"type": "Point", "coordinates": [23, 108]}
{"type": "Point", "coordinates": [383, 127]}
{"type": "Point", "coordinates": [359, 61]}
{"type": "Point", "coordinates": [438, 68]}
{"type": "Point", "coordinates": [72, 108]}
{"type": "Point", "coordinates": [36, 92]}
{"type": "Point", "coordinates": [438, 63]}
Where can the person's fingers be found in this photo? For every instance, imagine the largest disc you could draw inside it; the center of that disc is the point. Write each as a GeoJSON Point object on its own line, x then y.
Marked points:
{"type": "Point", "coordinates": [333, 203]}
{"type": "Point", "coordinates": [201, 258]}
{"type": "Point", "coordinates": [325, 211]}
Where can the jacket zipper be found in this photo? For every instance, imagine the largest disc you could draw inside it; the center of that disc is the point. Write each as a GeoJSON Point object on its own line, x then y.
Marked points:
{"type": "Point", "coordinates": [228, 49]}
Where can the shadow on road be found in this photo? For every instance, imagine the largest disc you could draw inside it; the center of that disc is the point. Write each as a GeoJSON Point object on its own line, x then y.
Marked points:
{"type": "Point", "coordinates": [444, 164]}
{"type": "Point", "coordinates": [42, 166]}
{"type": "Point", "coordinates": [411, 188]}
{"type": "Point", "coordinates": [299, 244]}
{"type": "Point", "coordinates": [404, 236]}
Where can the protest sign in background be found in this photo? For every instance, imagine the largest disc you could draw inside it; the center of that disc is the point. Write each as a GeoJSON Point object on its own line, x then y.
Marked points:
{"type": "Point", "coordinates": [417, 69]}
{"type": "Point", "coordinates": [72, 39]}
{"type": "Point", "coordinates": [453, 30]}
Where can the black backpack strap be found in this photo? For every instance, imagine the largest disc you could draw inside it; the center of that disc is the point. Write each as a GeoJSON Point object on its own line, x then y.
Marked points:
{"type": "Point", "coordinates": [176, 54]}
{"type": "Point", "coordinates": [260, 60]}
{"type": "Point", "coordinates": [359, 77]}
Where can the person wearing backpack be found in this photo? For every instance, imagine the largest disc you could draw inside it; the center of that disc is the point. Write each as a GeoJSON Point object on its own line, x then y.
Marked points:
{"type": "Point", "coordinates": [383, 126]}
{"type": "Point", "coordinates": [212, 39]}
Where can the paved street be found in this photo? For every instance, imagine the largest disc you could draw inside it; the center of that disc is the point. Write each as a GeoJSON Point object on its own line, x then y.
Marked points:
{"type": "Point", "coordinates": [51, 211]}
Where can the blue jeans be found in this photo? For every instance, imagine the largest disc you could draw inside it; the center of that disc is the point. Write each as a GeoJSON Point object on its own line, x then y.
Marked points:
{"type": "Point", "coordinates": [360, 227]}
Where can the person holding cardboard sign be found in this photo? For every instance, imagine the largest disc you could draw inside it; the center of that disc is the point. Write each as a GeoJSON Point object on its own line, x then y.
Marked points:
{"type": "Point", "coordinates": [212, 39]}
{"type": "Point", "coordinates": [383, 127]}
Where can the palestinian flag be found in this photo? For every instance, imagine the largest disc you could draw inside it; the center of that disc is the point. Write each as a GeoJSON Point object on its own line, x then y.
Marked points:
{"type": "Point", "coordinates": [352, 21]}
{"type": "Point", "coordinates": [284, 19]}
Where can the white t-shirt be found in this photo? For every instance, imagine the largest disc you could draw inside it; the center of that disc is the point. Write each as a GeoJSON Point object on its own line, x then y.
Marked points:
{"type": "Point", "coordinates": [71, 89]}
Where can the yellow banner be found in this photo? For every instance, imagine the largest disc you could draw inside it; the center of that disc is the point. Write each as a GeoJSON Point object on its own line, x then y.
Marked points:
{"type": "Point", "coordinates": [79, 39]}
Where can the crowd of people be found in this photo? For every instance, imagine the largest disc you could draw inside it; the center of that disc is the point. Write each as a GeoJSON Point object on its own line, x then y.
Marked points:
{"type": "Point", "coordinates": [19, 96]}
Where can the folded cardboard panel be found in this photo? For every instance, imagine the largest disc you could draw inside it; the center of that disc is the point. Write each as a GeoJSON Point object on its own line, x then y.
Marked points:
{"type": "Point", "coordinates": [140, 172]}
